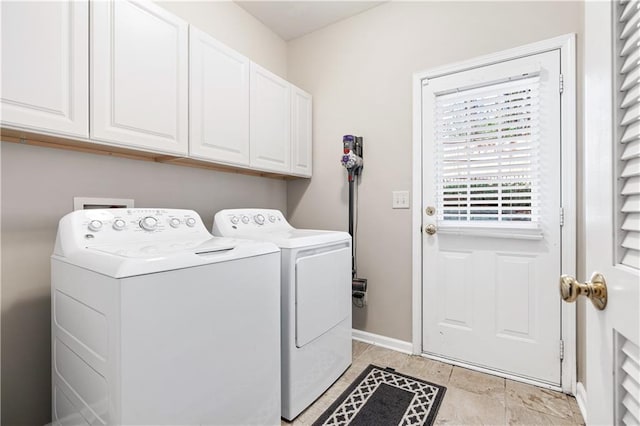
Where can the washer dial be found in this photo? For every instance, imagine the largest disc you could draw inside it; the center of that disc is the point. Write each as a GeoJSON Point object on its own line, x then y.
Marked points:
{"type": "Point", "coordinates": [174, 222]}
{"type": "Point", "coordinates": [149, 223]}
{"type": "Point", "coordinates": [235, 220]}
{"type": "Point", "coordinates": [95, 225]}
{"type": "Point", "coordinates": [245, 219]}
{"type": "Point", "coordinates": [259, 219]}
{"type": "Point", "coordinates": [119, 224]}
{"type": "Point", "coordinates": [191, 222]}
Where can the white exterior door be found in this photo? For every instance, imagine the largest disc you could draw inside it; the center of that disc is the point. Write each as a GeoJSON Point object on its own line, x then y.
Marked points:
{"type": "Point", "coordinates": [491, 192]}
{"type": "Point", "coordinates": [612, 173]}
{"type": "Point", "coordinates": [45, 60]}
{"type": "Point", "coordinates": [219, 101]}
{"type": "Point", "coordinates": [270, 121]}
{"type": "Point", "coordinates": [139, 76]}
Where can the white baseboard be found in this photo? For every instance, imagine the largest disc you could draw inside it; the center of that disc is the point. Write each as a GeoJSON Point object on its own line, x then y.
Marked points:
{"type": "Point", "coordinates": [581, 399]}
{"type": "Point", "coordinates": [383, 341]}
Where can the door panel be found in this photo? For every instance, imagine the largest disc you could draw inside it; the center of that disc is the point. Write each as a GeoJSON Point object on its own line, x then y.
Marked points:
{"type": "Point", "coordinates": [457, 307]}
{"type": "Point", "coordinates": [490, 297]}
{"type": "Point", "coordinates": [45, 78]}
{"type": "Point", "coordinates": [139, 103]}
{"type": "Point", "coordinates": [219, 101]}
{"type": "Point", "coordinates": [301, 136]}
{"type": "Point", "coordinates": [515, 276]}
{"type": "Point", "coordinates": [270, 121]}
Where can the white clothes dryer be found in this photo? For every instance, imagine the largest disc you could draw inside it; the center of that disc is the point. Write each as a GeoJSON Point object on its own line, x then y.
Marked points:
{"type": "Point", "coordinates": [316, 300]}
{"type": "Point", "coordinates": [154, 321]}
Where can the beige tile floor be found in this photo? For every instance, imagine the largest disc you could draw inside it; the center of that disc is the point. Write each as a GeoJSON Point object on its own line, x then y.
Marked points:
{"type": "Point", "coordinates": [472, 398]}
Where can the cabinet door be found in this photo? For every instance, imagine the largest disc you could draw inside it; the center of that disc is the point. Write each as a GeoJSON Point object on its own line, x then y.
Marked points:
{"type": "Point", "coordinates": [45, 64]}
{"type": "Point", "coordinates": [139, 73]}
{"type": "Point", "coordinates": [300, 132]}
{"type": "Point", "coordinates": [270, 121]}
{"type": "Point", "coordinates": [218, 101]}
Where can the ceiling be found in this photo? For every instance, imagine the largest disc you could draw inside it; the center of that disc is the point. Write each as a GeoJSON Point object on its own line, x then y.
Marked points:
{"type": "Point", "coordinates": [292, 19]}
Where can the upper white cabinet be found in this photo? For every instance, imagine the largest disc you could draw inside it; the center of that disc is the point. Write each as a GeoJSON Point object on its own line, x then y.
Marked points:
{"type": "Point", "coordinates": [270, 121]}
{"type": "Point", "coordinates": [300, 132]}
{"type": "Point", "coordinates": [139, 76]}
{"type": "Point", "coordinates": [44, 84]}
{"type": "Point", "coordinates": [218, 100]}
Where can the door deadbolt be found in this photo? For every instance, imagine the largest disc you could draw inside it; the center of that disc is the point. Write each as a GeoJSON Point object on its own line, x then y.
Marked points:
{"type": "Point", "coordinates": [430, 211]}
{"type": "Point", "coordinates": [430, 229]}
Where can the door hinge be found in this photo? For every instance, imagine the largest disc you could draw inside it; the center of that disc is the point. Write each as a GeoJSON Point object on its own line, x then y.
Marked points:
{"type": "Point", "coordinates": [561, 83]}
{"type": "Point", "coordinates": [561, 216]}
{"type": "Point", "coordinates": [561, 350]}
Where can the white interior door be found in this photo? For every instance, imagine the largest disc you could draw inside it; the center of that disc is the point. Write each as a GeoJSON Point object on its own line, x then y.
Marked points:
{"type": "Point", "coordinates": [612, 231]}
{"type": "Point", "coordinates": [491, 173]}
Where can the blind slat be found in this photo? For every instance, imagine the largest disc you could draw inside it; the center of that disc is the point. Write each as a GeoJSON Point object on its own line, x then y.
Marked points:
{"type": "Point", "coordinates": [631, 115]}
{"type": "Point", "coordinates": [630, 44]}
{"type": "Point", "coordinates": [632, 132]}
{"type": "Point", "coordinates": [631, 24]}
{"type": "Point", "coordinates": [631, 78]}
{"type": "Point", "coordinates": [632, 222]}
{"type": "Point", "coordinates": [631, 186]}
{"type": "Point", "coordinates": [631, 151]}
{"type": "Point", "coordinates": [631, 204]}
{"type": "Point", "coordinates": [630, 61]}
{"type": "Point", "coordinates": [632, 96]}
{"type": "Point", "coordinates": [628, 10]}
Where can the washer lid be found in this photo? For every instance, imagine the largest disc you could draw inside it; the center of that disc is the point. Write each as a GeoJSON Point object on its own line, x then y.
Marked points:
{"type": "Point", "coordinates": [128, 260]}
{"type": "Point", "coordinates": [150, 250]}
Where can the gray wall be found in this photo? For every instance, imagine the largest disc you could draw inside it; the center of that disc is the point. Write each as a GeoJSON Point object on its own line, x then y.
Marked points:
{"type": "Point", "coordinates": [360, 73]}
{"type": "Point", "coordinates": [38, 186]}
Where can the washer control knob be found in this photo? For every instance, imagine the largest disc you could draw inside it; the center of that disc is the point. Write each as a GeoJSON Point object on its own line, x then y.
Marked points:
{"type": "Point", "coordinates": [174, 222]}
{"type": "Point", "coordinates": [272, 218]}
{"type": "Point", "coordinates": [191, 222]}
{"type": "Point", "coordinates": [95, 225]}
{"type": "Point", "coordinates": [245, 219]}
{"type": "Point", "coordinates": [119, 224]}
{"type": "Point", "coordinates": [259, 219]}
{"type": "Point", "coordinates": [149, 223]}
{"type": "Point", "coordinates": [235, 220]}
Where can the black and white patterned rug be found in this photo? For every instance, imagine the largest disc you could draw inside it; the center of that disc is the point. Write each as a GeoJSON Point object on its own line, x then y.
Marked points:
{"type": "Point", "coordinates": [382, 397]}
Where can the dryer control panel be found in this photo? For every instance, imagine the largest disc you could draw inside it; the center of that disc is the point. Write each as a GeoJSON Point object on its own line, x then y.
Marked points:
{"type": "Point", "coordinates": [234, 221]}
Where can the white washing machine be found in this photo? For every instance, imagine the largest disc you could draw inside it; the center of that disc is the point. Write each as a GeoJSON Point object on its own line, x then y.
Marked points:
{"type": "Point", "coordinates": [154, 321]}
{"type": "Point", "coordinates": [316, 300]}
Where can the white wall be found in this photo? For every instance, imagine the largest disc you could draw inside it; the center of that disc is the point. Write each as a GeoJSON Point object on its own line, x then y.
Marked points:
{"type": "Point", "coordinates": [37, 187]}
{"type": "Point", "coordinates": [360, 74]}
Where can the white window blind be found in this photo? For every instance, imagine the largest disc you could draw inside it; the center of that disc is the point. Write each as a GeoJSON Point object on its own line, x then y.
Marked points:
{"type": "Point", "coordinates": [487, 155]}
{"type": "Point", "coordinates": [628, 135]}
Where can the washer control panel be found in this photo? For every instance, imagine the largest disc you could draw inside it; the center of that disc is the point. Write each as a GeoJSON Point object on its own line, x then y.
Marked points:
{"type": "Point", "coordinates": [237, 221]}
{"type": "Point", "coordinates": [116, 225]}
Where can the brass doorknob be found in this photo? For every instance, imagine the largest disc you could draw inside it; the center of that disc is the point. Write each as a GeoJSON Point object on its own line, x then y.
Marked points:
{"type": "Point", "coordinates": [430, 229]}
{"type": "Point", "coordinates": [596, 289]}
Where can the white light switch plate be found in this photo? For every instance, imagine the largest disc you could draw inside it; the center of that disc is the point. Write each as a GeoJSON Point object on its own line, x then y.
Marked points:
{"type": "Point", "coordinates": [400, 200]}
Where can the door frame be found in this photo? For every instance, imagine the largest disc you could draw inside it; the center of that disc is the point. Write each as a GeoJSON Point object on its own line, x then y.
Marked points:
{"type": "Point", "coordinates": [568, 134]}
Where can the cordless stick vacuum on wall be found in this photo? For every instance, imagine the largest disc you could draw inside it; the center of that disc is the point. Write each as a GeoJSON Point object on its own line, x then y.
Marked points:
{"type": "Point", "coordinates": [352, 161]}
